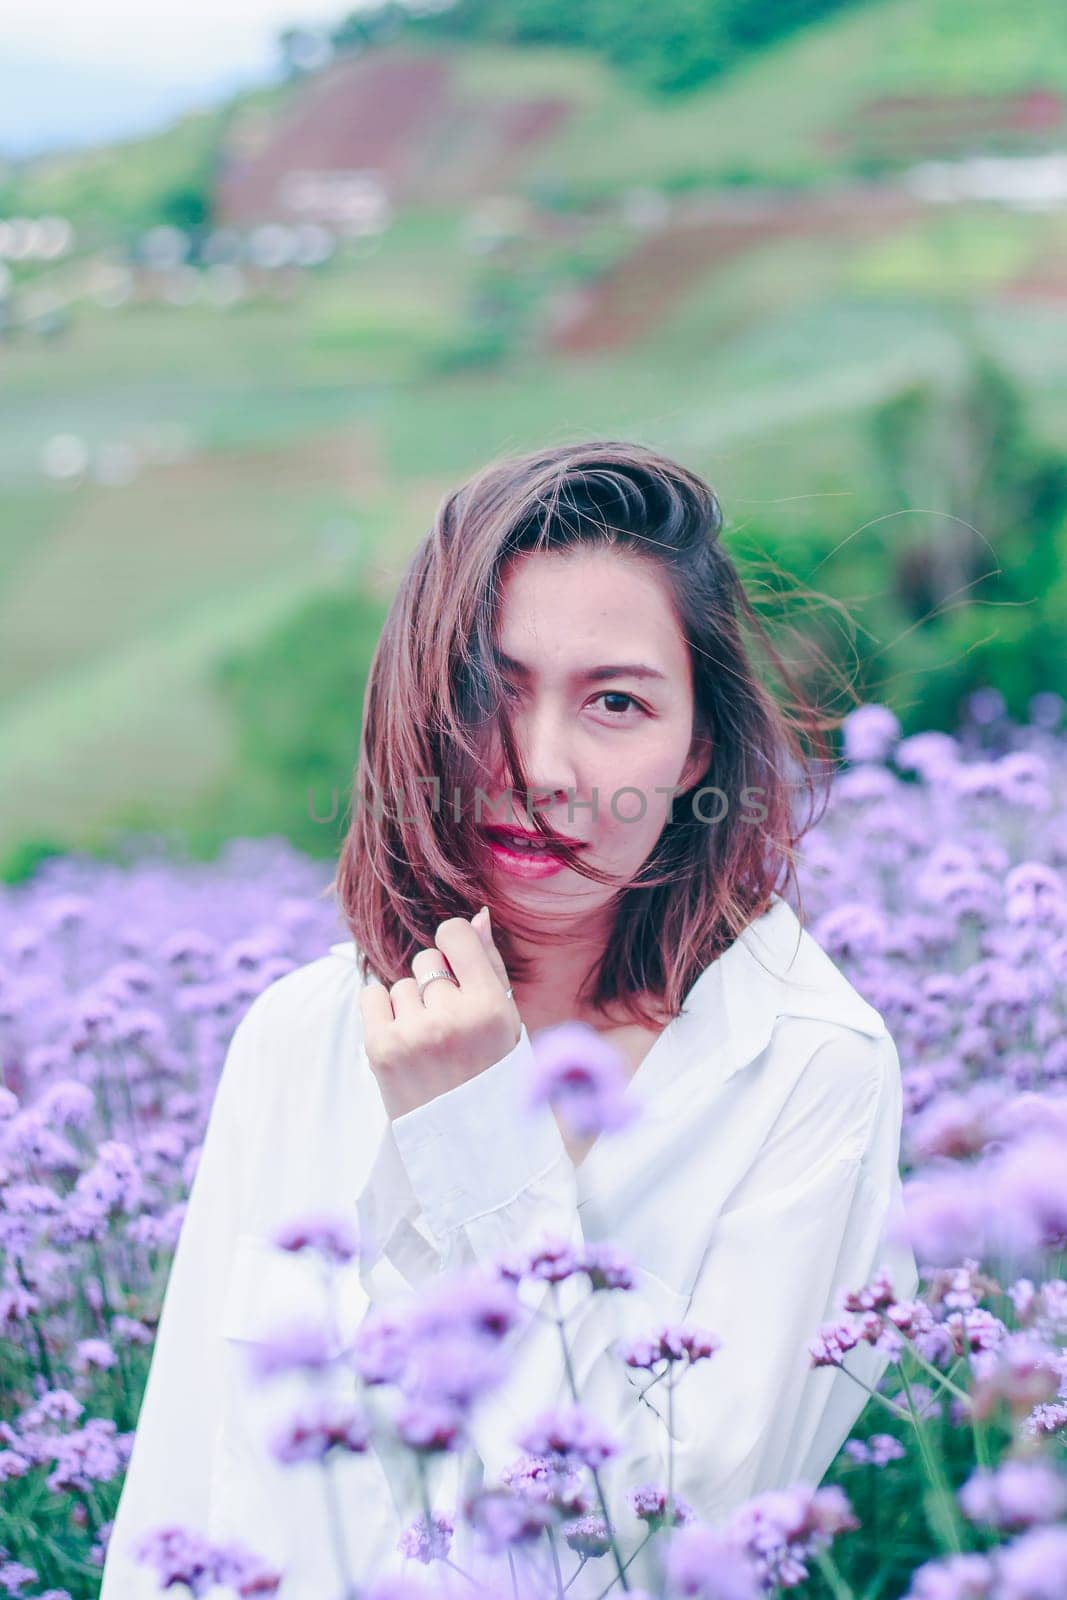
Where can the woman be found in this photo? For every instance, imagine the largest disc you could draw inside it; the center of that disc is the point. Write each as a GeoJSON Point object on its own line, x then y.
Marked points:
{"type": "Point", "coordinates": [568, 658]}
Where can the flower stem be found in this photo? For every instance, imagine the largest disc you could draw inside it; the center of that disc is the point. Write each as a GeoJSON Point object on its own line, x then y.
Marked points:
{"type": "Point", "coordinates": [895, 1410]}
{"type": "Point", "coordinates": [627, 1563]}
{"type": "Point", "coordinates": [981, 1448]}
{"type": "Point", "coordinates": [556, 1568]}
{"type": "Point", "coordinates": [598, 1486]}
{"type": "Point", "coordinates": [837, 1584]}
{"type": "Point", "coordinates": [670, 1449]}
{"type": "Point", "coordinates": [337, 1531]}
{"type": "Point", "coordinates": [948, 1517]}
{"type": "Point", "coordinates": [935, 1372]}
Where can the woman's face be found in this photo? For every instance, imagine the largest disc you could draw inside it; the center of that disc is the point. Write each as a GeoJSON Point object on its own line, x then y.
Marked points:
{"type": "Point", "coordinates": [600, 688]}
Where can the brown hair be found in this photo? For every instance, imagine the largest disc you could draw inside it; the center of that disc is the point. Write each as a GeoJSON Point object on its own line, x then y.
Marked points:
{"type": "Point", "coordinates": [434, 688]}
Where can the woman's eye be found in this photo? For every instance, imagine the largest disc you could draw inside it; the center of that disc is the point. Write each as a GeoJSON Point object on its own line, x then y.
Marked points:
{"type": "Point", "coordinates": [513, 692]}
{"type": "Point", "coordinates": [617, 694]}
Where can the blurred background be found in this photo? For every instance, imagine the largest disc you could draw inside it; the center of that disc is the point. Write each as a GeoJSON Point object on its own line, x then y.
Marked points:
{"type": "Point", "coordinates": [274, 278]}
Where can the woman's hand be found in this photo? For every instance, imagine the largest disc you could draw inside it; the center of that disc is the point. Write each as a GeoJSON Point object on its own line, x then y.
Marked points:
{"type": "Point", "coordinates": [418, 1049]}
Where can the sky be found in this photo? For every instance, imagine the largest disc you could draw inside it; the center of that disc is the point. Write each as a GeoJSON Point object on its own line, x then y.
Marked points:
{"type": "Point", "coordinates": [74, 71]}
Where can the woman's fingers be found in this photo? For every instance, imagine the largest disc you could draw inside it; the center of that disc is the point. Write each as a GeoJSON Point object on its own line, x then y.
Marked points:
{"type": "Point", "coordinates": [485, 932]}
{"type": "Point", "coordinates": [465, 948]}
{"type": "Point", "coordinates": [376, 1010]}
{"type": "Point", "coordinates": [476, 964]}
{"type": "Point", "coordinates": [406, 999]}
{"type": "Point", "coordinates": [423, 963]}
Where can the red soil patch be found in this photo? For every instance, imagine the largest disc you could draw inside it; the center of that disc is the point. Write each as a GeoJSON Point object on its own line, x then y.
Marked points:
{"type": "Point", "coordinates": [401, 118]}
{"type": "Point", "coordinates": [914, 127]}
{"type": "Point", "coordinates": [637, 294]}
{"type": "Point", "coordinates": [355, 116]}
{"type": "Point", "coordinates": [1046, 281]}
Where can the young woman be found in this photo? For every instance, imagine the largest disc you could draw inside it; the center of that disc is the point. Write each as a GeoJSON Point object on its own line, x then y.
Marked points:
{"type": "Point", "coordinates": [577, 799]}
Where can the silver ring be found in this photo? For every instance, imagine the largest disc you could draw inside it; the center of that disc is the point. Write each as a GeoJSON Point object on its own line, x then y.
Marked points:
{"type": "Point", "coordinates": [507, 992]}
{"type": "Point", "coordinates": [438, 973]}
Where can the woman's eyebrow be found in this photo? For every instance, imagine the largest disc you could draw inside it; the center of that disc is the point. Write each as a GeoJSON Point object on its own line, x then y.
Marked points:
{"type": "Point", "coordinates": [618, 669]}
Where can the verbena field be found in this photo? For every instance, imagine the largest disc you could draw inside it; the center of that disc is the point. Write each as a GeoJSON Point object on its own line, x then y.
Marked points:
{"type": "Point", "coordinates": [936, 881]}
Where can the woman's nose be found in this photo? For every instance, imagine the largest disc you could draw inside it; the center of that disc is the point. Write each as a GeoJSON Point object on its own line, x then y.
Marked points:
{"type": "Point", "coordinates": [549, 758]}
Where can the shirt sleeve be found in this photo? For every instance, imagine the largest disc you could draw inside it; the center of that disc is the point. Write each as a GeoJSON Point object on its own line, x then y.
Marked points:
{"type": "Point", "coordinates": [173, 1466]}
{"type": "Point", "coordinates": [808, 1222]}
{"type": "Point", "coordinates": [485, 1164]}
{"type": "Point", "coordinates": [392, 1228]}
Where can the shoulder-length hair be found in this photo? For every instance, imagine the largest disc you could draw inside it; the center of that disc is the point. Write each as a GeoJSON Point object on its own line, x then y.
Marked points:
{"type": "Point", "coordinates": [434, 689]}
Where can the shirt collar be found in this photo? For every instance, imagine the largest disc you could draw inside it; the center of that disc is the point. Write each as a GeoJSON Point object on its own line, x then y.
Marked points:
{"type": "Point", "coordinates": [775, 969]}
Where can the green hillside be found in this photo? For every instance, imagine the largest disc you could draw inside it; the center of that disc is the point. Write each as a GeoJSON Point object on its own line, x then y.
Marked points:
{"type": "Point", "coordinates": [805, 348]}
{"type": "Point", "coordinates": [793, 112]}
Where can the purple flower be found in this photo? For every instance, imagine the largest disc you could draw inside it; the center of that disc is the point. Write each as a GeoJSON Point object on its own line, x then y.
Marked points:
{"type": "Point", "coordinates": [13, 1465]}
{"type": "Point", "coordinates": [877, 1451]}
{"type": "Point", "coordinates": [326, 1424]}
{"type": "Point", "coordinates": [425, 1542]}
{"type": "Point", "coordinates": [569, 1437]}
{"type": "Point", "coordinates": [430, 1427]}
{"type": "Point", "coordinates": [782, 1528]}
{"type": "Point", "coordinates": [177, 1555]}
{"type": "Point", "coordinates": [869, 733]}
{"type": "Point", "coordinates": [649, 1503]}
{"type": "Point", "coordinates": [93, 1454]}
{"type": "Point", "coordinates": [1016, 1496]}
{"type": "Point", "coordinates": [502, 1520]}
{"type": "Point", "coordinates": [245, 1572]}
{"type": "Point", "coordinates": [14, 1574]}
{"type": "Point", "coordinates": [1026, 1195]}
{"type": "Point", "coordinates": [606, 1267]}
{"type": "Point", "coordinates": [928, 754]}
{"type": "Point", "coordinates": [302, 1346]}
{"type": "Point", "coordinates": [1022, 1372]}
{"type": "Point", "coordinates": [333, 1236]}
{"type": "Point", "coordinates": [945, 1214]}
{"type": "Point", "coordinates": [474, 1301]}
{"type": "Point", "coordinates": [1035, 894]}
{"type": "Point", "coordinates": [381, 1348]}
{"type": "Point", "coordinates": [555, 1260]}
{"type": "Point", "coordinates": [89, 1353]}
{"type": "Point", "coordinates": [538, 1479]}
{"type": "Point", "coordinates": [588, 1536]}
{"type": "Point", "coordinates": [54, 1408]}
{"type": "Point", "coordinates": [966, 1577]}
{"type": "Point", "coordinates": [442, 1352]}
{"type": "Point", "coordinates": [583, 1076]}
{"type": "Point", "coordinates": [707, 1564]}
{"type": "Point", "coordinates": [852, 931]}
{"type": "Point", "coordinates": [874, 1296]}
{"type": "Point", "coordinates": [669, 1345]}
{"type": "Point", "coordinates": [1034, 1566]}
{"type": "Point", "coordinates": [453, 1367]}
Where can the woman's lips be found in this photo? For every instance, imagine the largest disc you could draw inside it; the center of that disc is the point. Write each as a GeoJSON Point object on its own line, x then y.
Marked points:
{"type": "Point", "coordinates": [521, 862]}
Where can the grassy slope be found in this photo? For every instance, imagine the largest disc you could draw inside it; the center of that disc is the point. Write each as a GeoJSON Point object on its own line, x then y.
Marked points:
{"type": "Point", "coordinates": [108, 187]}
{"type": "Point", "coordinates": [767, 119]}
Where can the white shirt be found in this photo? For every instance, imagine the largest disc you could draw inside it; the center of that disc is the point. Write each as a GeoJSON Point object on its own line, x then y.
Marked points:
{"type": "Point", "coordinates": [757, 1185]}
